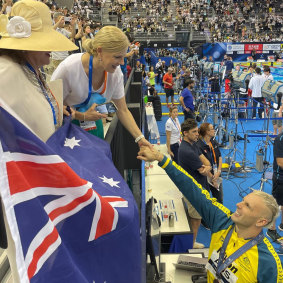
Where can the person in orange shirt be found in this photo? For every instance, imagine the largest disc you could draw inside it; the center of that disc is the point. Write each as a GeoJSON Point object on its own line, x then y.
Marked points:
{"type": "Point", "coordinates": [168, 86]}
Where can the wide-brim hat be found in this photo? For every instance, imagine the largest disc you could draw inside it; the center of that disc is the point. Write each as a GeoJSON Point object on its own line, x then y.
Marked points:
{"type": "Point", "coordinates": [30, 28]}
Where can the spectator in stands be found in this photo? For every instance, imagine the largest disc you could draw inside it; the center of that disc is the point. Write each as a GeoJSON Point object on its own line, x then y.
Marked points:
{"type": "Point", "coordinates": [129, 54]}
{"type": "Point", "coordinates": [255, 85]}
{"type": "Point", "coordinates": [25, 48]}
{"type": "Point", "coordinates": [138, 65]}
{"type": "Point", "coordinates": [99, 68]}
{"type": "Point", "coordinates": [187, 99]}
{"type": "Point", "coordinates": [59, 56]}
{"type": "Point", "coordinates": [7, 7]}
{"type": "Point", "coordinates": [195, 163]}
{"type": "Point", "coordinates": [210, 149]}
{"type": "Point", "coordinates": [168, 86]}
{"type": "Point", "coordinates": [87, 33]}
{"type": "Point", "coordinates": [173, 133]}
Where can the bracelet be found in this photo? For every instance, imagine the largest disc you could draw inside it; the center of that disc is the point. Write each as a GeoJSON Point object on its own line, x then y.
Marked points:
{"type": "Point", "coordinates": [139, 138]}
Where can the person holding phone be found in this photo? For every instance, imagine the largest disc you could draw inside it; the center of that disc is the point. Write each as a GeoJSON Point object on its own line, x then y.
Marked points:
{"type": "Point", "coordinates": [97, 74]}
{"type": "Point", "coordinates": [59, 56]}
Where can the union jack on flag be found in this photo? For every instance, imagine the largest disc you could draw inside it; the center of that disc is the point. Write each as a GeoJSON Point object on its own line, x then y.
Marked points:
{"type": "Point", "coordinates": [66, 227]}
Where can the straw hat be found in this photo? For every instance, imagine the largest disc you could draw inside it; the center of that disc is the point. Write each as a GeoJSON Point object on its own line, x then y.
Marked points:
{"type": "Point", "coordinates": [30, 28]}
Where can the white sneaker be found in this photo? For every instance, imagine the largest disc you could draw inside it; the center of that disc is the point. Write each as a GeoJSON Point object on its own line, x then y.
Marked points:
{"type": "Point", "coordinates": [198, 245]}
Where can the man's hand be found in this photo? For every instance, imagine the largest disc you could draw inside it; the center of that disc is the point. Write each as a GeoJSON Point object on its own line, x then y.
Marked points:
{"type": "Point", "coordinates": [143, 142]}
{"type": "Point", "coordinates": [170, 153]}
{"type": "Point", "coordinates": [149, 154]}
{"type": "Point", "coordinates": [73, 21]}
{"type": "Point", "coordinates": [204, 170]}
{"type": "Point", "coordinates": [216, 175]}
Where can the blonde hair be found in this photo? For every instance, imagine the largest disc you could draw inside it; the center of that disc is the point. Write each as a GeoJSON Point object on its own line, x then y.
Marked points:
{"type": "Point", "coordinates": [271, 204]}
{"type": "Point", "coordinates": [109, 38]}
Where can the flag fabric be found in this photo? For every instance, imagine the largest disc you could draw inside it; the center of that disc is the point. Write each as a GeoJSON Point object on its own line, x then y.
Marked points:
{"type": "Point", "coordinates": [72, 216]}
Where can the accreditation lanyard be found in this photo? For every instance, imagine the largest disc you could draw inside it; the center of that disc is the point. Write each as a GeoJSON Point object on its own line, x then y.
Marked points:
{"type": "Point", "coordinates": [45, 93]}
{"type": "Point", "coordinates": [212, 152]}
{"type": "Point", "coordinates": [90, 71]}
{"type": "Point", "coordinates": [177, 125]}
{"type": "Point", "coordinates": [223, 264]}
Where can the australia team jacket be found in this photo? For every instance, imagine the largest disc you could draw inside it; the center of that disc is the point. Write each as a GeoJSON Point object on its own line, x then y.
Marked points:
{"type": "Point", "coordinates": [259, 264]}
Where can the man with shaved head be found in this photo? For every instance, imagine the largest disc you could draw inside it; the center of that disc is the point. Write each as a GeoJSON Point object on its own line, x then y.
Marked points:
{"type": "Point", "coordinates": [238, 252]}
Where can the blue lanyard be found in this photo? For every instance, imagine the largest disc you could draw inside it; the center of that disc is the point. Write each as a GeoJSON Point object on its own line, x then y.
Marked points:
{"type": "Point", "coordinates": [90, 69]}
{"type": "Point", "coordinates": [221, 265]}
{"type": "Point", "coordinates": [44, 92]}
{"type": "Point", "coordinates": [175, 125]}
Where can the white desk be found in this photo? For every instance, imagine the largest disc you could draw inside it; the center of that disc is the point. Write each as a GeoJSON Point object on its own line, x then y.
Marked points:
{"type": "Point", "coordinates": [160, 186]}
{"type": "Point", "coordinates": [176, 275]}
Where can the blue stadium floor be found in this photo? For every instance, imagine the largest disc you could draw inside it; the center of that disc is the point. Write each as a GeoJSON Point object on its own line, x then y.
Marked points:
{"type": "Point", "coordinates": [236, 185]}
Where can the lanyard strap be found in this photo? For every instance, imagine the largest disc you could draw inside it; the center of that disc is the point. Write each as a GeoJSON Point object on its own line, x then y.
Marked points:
{"type": "Point", "coordinates": [90, 70]}
{"type": "Point", "coordinates": [45, 93]}
{"type": "Point", "coordinates": [212, 149]}
{"type": "Point", "coordinates": [221, 265]}
{"type": "Point", "coordinates": [212, 152]}
{"type": "Point", "coordinates": [176, 125]}
{"type": "Point", "coordinates": [178, 128]}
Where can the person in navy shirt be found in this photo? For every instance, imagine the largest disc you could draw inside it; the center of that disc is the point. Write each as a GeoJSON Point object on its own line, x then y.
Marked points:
{"type": "Point", "coordinates": [187, 99]}
{"type": "Point", "coordinates": [229, 64]}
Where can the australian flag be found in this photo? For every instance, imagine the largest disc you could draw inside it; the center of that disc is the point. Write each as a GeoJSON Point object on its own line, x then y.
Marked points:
{"type": "Point", "coordinates": [72, 216]}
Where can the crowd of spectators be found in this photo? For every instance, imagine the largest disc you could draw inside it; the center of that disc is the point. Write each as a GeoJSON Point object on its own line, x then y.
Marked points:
{"type": "Point", "coordinates": [192, 12]}
{"type": "Point", "coordinates": [144, 24]}
{"type": "Point", "coordinates": [245, 21]}
{"type": "Point", "coordinates": [230, 21]}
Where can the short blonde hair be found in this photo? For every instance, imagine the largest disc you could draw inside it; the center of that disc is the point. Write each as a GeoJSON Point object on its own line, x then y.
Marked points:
{"type": "Point", "coordinates": [271, 204]}
{"type": "Point", "coordinates": [109, 38]}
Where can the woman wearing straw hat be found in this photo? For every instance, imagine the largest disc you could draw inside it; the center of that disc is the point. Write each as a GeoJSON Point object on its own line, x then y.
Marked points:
{"type": "Point", "coordinates": [97, 74]}
{"type": "Point", "coordinates": [26, 41]}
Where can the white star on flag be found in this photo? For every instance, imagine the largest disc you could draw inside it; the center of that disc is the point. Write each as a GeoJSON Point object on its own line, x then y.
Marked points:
{"type": "Point", "coordinates": [71, 142]}
{"type": "Point", "coordinates": [110, 181]}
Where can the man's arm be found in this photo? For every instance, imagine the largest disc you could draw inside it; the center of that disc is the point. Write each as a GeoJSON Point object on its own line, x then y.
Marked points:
{"type": "Point", "coordinates": [181, 99]}
{"type": "Point", "coordinates": [61, 19]}
{"type": "Point", "coordinates": [206, 168]}
{"type": "Point", "coordinates": [215, 215]}
{"type": "Point", "coordinates": [279, 161]}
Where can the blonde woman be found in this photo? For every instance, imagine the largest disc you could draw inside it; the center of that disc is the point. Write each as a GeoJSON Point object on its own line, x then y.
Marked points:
{"type": "Point", "coordinates": [98, 71]}
{"type": "Point", "coordinates": [173, 133]}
